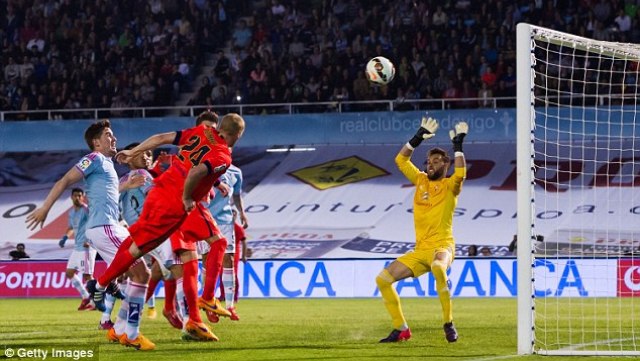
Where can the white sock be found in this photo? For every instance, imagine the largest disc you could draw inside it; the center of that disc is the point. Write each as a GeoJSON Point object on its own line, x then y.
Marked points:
{"type": "Point", "coordinates": [100, 287]}
{"type": "Point", "coordinates": [181, 302]}
{"type": "Point", "coordinates": [228, 282]}
{"type": "Point", "coordinates": [109, 301]}
{"type": "Point", "coordinates": [152, 301]}
{"type": "Point", "coordinates": [76, 281]}
{"type": "Point", "coordinates": [136, 294]}
{"type": "Point", "coordinates": [121, 318]}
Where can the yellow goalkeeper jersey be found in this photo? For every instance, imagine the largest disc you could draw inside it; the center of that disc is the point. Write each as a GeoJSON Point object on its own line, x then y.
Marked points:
{"type": "Point", "coordinates": [433, 204]}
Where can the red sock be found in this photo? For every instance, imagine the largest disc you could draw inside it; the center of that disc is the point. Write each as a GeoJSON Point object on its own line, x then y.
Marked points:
{"type": "Point", "coordinates": [151, 289]}
{"type": "Point", "coordinates": [120, 264]}
{"type": "Point", "coordinates": [214, 267]}
{"type": "Point", "coordinates": [190, 285]}
{"type": "Point", "coordinates": [169, 295]}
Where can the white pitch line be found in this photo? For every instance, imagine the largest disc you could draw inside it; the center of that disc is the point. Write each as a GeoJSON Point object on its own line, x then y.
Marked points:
{"type": "Point", "coordinates": [493, 358]}
{"type": "Point", "coordinates": [603, 342]}
{"type": "Point", "coordinates": [23, 334]}
{"type": "Point", "coordinates": [17, 334]}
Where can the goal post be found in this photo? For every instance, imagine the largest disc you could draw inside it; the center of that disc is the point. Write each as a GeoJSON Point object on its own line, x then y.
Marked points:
{"type": "Point", "coordinates": [524, 164]}
{"type": "Point", "coordinates": [578, 209]}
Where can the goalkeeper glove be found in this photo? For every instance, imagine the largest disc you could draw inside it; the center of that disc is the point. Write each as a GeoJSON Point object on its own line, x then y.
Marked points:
{"type": "Point", "coordinates": [457, 135]}
{"type": "Point", "coordinates": [62, 241]}
{"type": "Point", "coordinates": [427, 130]}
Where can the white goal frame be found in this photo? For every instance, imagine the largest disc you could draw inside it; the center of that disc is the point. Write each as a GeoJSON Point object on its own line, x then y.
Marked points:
{"type": "Point", "coordinates": [525, 188]}
{"type": "Point", "coordinates": [526, 36]}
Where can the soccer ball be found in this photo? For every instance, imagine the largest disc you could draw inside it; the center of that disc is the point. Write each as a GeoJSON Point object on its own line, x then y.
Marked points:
{"type": "Point", "coordinates": [380, 70]}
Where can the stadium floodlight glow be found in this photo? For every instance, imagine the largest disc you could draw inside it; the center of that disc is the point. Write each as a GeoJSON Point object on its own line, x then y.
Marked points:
{"type": "Point", "coordinates": [577, 162]}
{"type": "Point", "coordinates": [290, 148]}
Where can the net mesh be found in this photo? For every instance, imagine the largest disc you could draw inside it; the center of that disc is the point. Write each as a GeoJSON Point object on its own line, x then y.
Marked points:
{"type": "Point", "coordinates": [586, 210]}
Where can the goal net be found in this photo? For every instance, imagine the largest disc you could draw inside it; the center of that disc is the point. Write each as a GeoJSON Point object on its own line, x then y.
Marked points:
{"type": "Point", "coordinates": [578, 206]}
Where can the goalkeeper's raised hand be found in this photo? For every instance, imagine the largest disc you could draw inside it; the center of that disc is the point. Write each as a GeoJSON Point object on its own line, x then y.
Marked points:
{"type": "Point", "coordinates": [427, 130]}
{"type": "Point", "coordinates": [457, 135]}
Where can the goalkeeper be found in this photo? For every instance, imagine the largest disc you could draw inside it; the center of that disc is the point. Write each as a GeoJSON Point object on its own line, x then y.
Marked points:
{"type": "Point", "coordinates": [434, 202]}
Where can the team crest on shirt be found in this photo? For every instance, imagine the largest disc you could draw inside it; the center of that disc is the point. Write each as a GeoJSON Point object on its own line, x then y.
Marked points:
{"type": "Point", "coordinates": [84, 164]}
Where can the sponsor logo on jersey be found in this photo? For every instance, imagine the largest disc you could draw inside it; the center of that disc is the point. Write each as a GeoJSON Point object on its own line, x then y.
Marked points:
{"type": "Point", "coordinates": [84, 164]}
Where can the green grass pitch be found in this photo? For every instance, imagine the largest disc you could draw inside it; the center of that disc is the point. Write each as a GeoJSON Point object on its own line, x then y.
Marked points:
{"type": "Point", "coordinates": [281, 329]}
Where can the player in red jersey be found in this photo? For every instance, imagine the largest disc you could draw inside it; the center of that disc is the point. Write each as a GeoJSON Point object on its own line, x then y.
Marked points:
{"type": "Point", "coordinates": [204, 156]}
{"type": "Point", "coordinates": [199, 225]}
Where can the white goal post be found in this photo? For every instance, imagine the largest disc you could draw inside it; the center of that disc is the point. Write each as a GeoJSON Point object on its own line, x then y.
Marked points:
{"type": "Point", "coordinates": [578, 161]}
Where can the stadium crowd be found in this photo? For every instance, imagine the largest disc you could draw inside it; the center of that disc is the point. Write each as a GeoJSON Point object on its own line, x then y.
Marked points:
{"type": "Point", "coordinates": [72, 54]}
{"type": "Point", "coordinates": [81, 54]}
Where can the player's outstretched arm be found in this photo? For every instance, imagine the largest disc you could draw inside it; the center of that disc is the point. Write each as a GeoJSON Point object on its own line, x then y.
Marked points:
{"type": "Point", "coordinates": [239, 203]}
{"type": "Point", "coordinates": [134, 181]}
{"type": "Point", "coordinates": [224, 189]}
{"type": "Point", "coordinates": [246, 251]}
{"type": "Point", "coordinates": [153, 142]}
{"type": "Point", "coordinates": [427, 130]}
{"type": "Point", "coordinates": [37, 218]}
{"type": "Point", "coordinates": [457, 137]}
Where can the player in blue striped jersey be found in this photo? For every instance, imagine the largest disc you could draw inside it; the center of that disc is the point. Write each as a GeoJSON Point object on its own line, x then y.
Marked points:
{"type": "Point", "coordinates": [103, 228]}
{"type": "Point", "coordinates": [83, 257]}
{"type": "Point", "coordinates": [167, 265]}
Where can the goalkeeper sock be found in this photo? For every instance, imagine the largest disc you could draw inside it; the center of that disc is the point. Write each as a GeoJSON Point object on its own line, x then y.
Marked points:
{"type": "Point", "coordinates": [439, 271]}
{"type": "Point", "coordinates": [391, 299]}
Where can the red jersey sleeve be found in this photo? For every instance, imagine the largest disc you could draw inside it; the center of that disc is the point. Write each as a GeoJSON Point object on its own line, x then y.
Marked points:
{"type": "Point", "coordinates": [182, 136]}
{"type": "Point", "coordinates": [217, 161]}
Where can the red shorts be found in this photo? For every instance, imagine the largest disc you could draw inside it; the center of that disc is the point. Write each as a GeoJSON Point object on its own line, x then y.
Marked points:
{"type": "Point", "coordinates": [198, 226]}
{"type": "Point", "coordinates": [162, 214]}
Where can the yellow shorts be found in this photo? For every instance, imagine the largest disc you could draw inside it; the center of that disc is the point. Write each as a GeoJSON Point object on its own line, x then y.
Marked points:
{"type": "Point", "coordinates": [419, 262]}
